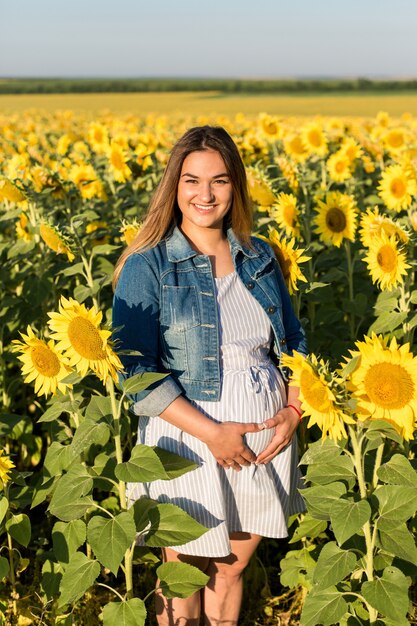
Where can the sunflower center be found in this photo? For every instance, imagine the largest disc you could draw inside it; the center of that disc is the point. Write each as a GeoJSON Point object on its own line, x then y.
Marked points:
{"type": "Point", "coordinates": [45, 361]}
{"type": "Point", "coordinates": [398, 188]}
{"type": "Point", "coordinates": [314, 138]}
{"type": "Point", "coordinates": [271, 128]}
{"type": "Point", "coordinates": [335, 220]}
{"type": "Point", "coordinates": [389, 385]}
{"type": "Point", "coordinates": [340, 166]}
{"type": "Point", "coordinates": [288, 214]}
{"type": "Point", "coordinates": [314, 391]}
{"type": "Point", "coordinates": [85, 339]}
{"type": "Point", "coordinates": [387, 258]}
{"type": "Point", "coordinates": [396, 140]}
{"type": "Point", "coordinates": [117, 160]}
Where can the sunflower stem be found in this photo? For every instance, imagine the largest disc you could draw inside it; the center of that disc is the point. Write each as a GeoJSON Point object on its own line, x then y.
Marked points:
{"type": "Point", "coordinates": [12, 573]}
{"type": "Point", "coordinates": [117, 439]}
{"type": "Point", "coordinates": [350, 285]}
{"type": "Point", "coordinates": [378, 460]}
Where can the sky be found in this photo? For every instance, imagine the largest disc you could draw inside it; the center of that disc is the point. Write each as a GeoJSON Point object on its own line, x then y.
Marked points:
{"type": "Point", "coordinates": [210, 38]}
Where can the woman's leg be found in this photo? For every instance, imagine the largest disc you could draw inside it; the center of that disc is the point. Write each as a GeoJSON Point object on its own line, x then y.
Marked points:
{"type": "Point", "coordinates": [180, 611]}
{"type": "Point", "coordinates": [223, 593]}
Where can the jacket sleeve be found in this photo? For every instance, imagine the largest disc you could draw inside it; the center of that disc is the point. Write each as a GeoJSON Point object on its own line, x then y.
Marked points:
{"type": "Point", "coordinates": [136, 312]}
{"type": "Point", "coordinates": [294, 332]}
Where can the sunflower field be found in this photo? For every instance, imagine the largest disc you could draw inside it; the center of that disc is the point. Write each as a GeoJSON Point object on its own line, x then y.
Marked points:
{"type": "Point", "coordinates": [337, 200]}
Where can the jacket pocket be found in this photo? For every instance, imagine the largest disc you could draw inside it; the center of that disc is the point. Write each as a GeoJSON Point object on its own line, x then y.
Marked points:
{"type": "Point", "coordinates": [180, 309]}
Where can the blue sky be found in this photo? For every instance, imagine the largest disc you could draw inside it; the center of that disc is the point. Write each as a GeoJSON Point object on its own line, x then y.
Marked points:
{"type": "Point", "coordinates": [216, 38]}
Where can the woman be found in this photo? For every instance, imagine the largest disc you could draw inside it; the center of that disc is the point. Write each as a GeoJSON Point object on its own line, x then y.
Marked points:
{"type": "Point", "coordinates": [200, 299]}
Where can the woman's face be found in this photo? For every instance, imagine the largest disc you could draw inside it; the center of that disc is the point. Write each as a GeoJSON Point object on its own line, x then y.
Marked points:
{"type": "Point", "coordinates": [204, 192]}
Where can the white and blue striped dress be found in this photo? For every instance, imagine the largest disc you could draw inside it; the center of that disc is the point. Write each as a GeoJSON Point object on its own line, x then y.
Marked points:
{"type": "Point", "coordinates": [259, 498]}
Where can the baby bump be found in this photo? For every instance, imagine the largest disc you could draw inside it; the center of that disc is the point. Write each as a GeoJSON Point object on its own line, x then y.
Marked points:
{"type": "Point", "coordinates": [257, 442]}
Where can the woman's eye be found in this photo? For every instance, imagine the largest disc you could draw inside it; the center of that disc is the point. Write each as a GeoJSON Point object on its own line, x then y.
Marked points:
{"type": "Point", "coordinates": [222, 181]}
{"type": "Point", "coordinates": [191, 180]}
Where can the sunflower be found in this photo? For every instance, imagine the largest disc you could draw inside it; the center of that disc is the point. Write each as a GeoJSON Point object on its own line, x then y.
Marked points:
{"type": "Point", "coordinates": [64, 143]}
{"type": "Point", "coordinates": [286, 213]}
{"type": "Point", "coordinates": [413, 220]}
{"type": "Point", "coordinates": [395, 140]}
{"type": "Point", "coordinates": [338, 166]}
{"type": "Point", "coordinates": [294, 148]}
{"type": "Point", "coordinates": [318, 401]}
{"type": "Point", "coordinates": [384, 383]}
{"type": "Point", "coordinates": [314, 139]}
{"type": "Point", "coordinates": [101, 229]}
{"type": "Point", "coordinates": [336, 218]}
{"type": "Point", "coordinates": [289, 259]}
{"type": "Point", "coordinates": [79, 336]}
{"type": "Point", "coordinates": [351, 149]}
{"type": "Point", "coordinates": [129, 231]}
{"type": "Point", "coordinates": [9, 191]}
{"type": "Point", "coordinates": [396, 188]}
{"type": "Point", "coordinates": [84, 176]}
{"type": "Point", "coordinates": [98, 137]}
{"type": "Point", "coordinates": [373, 223]}
{"type": "Point", "coordinates": [118, 163]}
{"type": "Point", "coordinates": [386, 262]}
{"type": "Point", "coordinates": [42, 363]}
{"type": "Point", "coordinates": [21, 228]}
{"type": "Point", "coordinates": [260, 188]}
{"type": "Point", "coordinates": [5, 466]}
{"type": "Point", "coordinates": [143, 156]}
{"type": "Point", "coordinates": [55, 240]}
{"type": "Point", "coordinates": [289, 171]}
{"type": "Point", "coordinates": [270, 127]}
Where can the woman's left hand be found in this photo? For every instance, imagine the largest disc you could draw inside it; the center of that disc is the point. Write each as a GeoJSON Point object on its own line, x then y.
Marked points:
{"type": "Point", "coordinates": [285, 423]}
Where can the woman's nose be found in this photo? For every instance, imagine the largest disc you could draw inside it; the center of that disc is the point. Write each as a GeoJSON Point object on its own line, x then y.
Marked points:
{"type": "Point", "coordinates": [206, 192]}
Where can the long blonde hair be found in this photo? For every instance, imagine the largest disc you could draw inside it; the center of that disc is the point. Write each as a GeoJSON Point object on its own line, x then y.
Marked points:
{"type": "Point", "coordinates": [163, 210]}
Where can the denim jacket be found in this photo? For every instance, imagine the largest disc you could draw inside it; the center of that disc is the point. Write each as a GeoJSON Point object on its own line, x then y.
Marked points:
{"type": "Point", "coordinates": [165, 308]}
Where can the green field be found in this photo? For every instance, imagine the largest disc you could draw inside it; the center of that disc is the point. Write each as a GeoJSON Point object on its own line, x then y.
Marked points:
{"type": "Point", "coordinates": [204, 103]}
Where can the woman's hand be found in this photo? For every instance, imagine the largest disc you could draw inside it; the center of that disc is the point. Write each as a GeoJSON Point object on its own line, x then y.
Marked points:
{"type": "Point", "coordinates": [227, 446]}
{"type": "Point", "coordinates": [285, 423]}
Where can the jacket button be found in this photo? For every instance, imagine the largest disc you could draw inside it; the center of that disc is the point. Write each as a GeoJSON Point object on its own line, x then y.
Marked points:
{"type": "Point", "coordinates": [272, 309]}
{"type": "Point", "coordinates": [250, 285]}
{"type": "Point", "coordinates": [283, 341]}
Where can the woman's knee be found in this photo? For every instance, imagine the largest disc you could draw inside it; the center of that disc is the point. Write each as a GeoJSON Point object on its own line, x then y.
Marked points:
{"type": "Point", "coordinates": [201, 562]}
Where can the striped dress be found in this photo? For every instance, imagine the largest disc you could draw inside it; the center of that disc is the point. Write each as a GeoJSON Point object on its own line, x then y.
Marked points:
{"type": "Point", "coordinates": [259, 498]}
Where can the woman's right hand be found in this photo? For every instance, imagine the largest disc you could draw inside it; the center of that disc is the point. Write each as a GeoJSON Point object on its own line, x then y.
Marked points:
{"type": "Point", "coordinates": [227, 446]}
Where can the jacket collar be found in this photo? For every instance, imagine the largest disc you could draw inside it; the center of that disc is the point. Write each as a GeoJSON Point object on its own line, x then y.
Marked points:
{"type": "Point", "coordinates": [179, 249]}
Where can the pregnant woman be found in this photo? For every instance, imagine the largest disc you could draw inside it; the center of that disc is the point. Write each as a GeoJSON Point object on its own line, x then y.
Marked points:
{"type": "Point", "coordinates": [202, 300]}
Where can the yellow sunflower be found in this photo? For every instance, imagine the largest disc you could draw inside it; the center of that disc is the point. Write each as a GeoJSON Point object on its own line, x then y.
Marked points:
{"type": "Point", "coordinates": [55, 240]}
{"type": "Point", "coordinates": [294, 148]}
{"type": "Point", "coordinates": [338, 166]}
{"type": "Point", "coordinates": [413, 220]}
{"type": "Point", "coordinates": [396, 188]}
{"type": "Point", "coordinates": [387, 263]}
{"type": "Point", "coordinates": [373, 223]}
{"type": "Point", "coordinates": [289, 171]}
{"type": "Point", "coordinates": [289, 259]}
{"type": "Point", "coordinates": [314, 139]}
{"type": "Point", "coordinates": [260, 188]}
{"type": "Point", "coordinates": [318, 401]}
{"type": "Point", "coordinates": [118, 163]}
{"type": "Point", "coordinates": [286, 213]}
{"type": "Point", "coordinates": [9, 191]}
{"type": "Point", "coordinates": [42, 363]}
{"type": "Point", "coordinates": [98, 137]}
{"type": "Point", "coordinates": [351, 149]}
{"type": "Point", "coordinates": [21, 227]}
{"type": "Point", "coordinates": [395, 140]}
{"type": "Point", "coordinates": [336, 219]}
{"type": "Point", "coordinates": [101, 229]}
{"type": "Point", "coordinates": [5, 466]}
{"type": "Point", "coordinates": [84, 176]}
{"type": "Point", "coordinates": [79, 336]}
{"type": "Point", "coordinates": [129, 231]}
{"type": "Point", "coordinates": [270, 127]}
{"type": "Point", "coordinates": [384, 383]}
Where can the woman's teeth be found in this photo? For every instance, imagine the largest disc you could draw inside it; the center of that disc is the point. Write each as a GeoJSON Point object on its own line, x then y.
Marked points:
{"type": "Point", "coordinates": [204, 208]}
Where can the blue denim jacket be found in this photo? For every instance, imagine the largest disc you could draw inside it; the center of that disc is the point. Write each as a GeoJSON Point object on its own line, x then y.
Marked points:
{"type": "Point", "coordinates": [165, 307]}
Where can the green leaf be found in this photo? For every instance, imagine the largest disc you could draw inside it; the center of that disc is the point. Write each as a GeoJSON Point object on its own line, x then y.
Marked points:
{"type": "Point", "coordinates": [333, 565]}
{"type": "Point", "coordinates": [325, 472]}
{"type": "Point", "coordinates": [127, 613]}
{"type": "Point", "coordinates": [413, 296]}
{"type": "Point", "coordinates": [398, 541]}
{"type": "Point", "coordinates": [389, 595]}
{"type": "Point", "coordinates": [171, 526]}
{"type": "Point", "coordinates": [111, 537]}
{"type": "Point", "coordinates": [324, 607]}
{"type": "Point", "coordinates": [398, 471]}
{"type": "Point", "coordinates": [68, 501]}
{"type": "Point", "coordinates": [321, 452]}
{"type": "Point", "coordinates": [297, 568]}
{"type": "Point", "coordinates": [4, 507]}
{"type": "Point", "coordinates": [55, 411]}
{"type": "Point", "coordinates": [348, 517]}
{"type": "Point", "coordinates": [381, 427]}
{"type": "Point", "coordinates": [308, 527]}
{"type": "Point", "coordinates": [67, 538]}
{"type": "Point", "coordinates": [139, 382]}
{"type": "Point", "coordinates": [320, 499]}
{"type": "Point", "coordinates": [81, 293]}
{"type": "Point", "coordinates": [72, 270]}
{"type": "Point", "coordinates": [51, 578]}
{"type": "Point", "coordinates": [4, 567]}
{"type": "Point", "coordinates": [174, 465]}
{"type": "Point", "coordinates": [18, 526]}
{"type": "Point", "coordinates": [180, 580]}
{"type": "Point", "coordinates": [99, 409]}
{"type": "Point", "coordinates": [58, 458]}
{"type": "Point", "coordinates": [87, 434]}
{"type": "Point", "coordinates": [79, 575]}
{"type": "Point", "coordinates": [142, 554]}
{"type": "Point", "coordinates": [387, 322]}
{"type": "Point", "coordinates": [104, 248]}
{"type": "Point", "coordinates": [42, 490]}
{"type": "Point", "coordinates": [143, 466]}
{"type": "Point", "coordinates": [141, 508]}
{"type": "Point", "coordinates": [396, 502]}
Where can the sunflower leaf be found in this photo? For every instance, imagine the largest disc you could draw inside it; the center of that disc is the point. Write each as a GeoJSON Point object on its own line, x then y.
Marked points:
{"type": "Point", "coordinates": [127, 613]}
{"type": "Point", "coordinates": [398, 541]}
{"type": "Point", "coordinates": [396, 501]}
{"type": "Point", "coordinates": [170, 526]}
{"type": "Point", "coordinates": [348, 517]}
{"type": "Point", "coordinates": [180, 580]}
{"type": "Point", "coordinates": [144, 465]}
{"type": "Point", "coordinates": [387, 322]}
{"type": "Point", "coordinates": [110, 538]}
{"type": "Point", "coordinates": [79, 575]}
{"type": "Point", "coordinates": [323, 606]}
{"type": "Point", "coordinates": [321, 498]}
{"type": "Point", "coordinates": [333, 565]}
{"type": "Point", "coordinates": [141, 381]}
{"type": "Point", "coordinates": [18, 527]}
{"type": "Point", "coordinates": [67, 538]}
{"type": "Point", "coordinates": [389, 595]}
{"type": "Point", "coordinates": [398, 471]}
